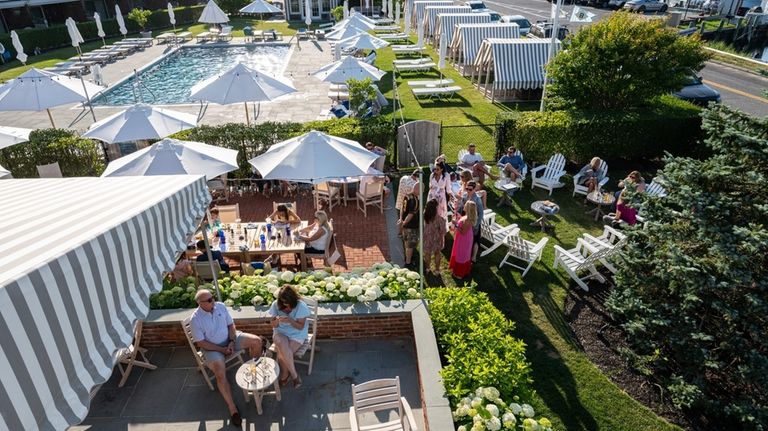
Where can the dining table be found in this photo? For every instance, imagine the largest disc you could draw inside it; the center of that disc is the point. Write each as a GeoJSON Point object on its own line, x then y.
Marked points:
{"type": "Point", "coordinates": [243, 241]}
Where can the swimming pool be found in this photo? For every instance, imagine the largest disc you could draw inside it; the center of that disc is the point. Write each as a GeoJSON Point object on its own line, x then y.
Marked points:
{"type": "Point", "coordinates": [169, 80]}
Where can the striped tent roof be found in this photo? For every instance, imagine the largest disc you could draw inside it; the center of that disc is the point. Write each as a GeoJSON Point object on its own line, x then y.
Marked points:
{"type": "Point", "coordinates": [447, 22]}
{"type": "Point", "coordinates": [417, 9]}
{"type": "Point", "coordinates": [430, 15]}
{"type": "Point", "coordinates": [518, 64]}
{"type": "Point", "coordinates": [76, 271]}
{"type": "Point", "coordinates": [468, 37]}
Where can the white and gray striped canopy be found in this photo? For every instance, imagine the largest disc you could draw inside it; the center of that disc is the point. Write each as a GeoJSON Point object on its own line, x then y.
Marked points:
{"type": "Point", "coordinates": [417, 9]}
{"type": "Point", "coordinates": [446, 22]}
{"type": "Point", "coordinates": [78, 260]}
{"type": "Point", "coordinates": [430, 16]}
{"type": "Point", "coordinates": [518, 64]}
{"type": "Point", "coordinates": [467, 38]}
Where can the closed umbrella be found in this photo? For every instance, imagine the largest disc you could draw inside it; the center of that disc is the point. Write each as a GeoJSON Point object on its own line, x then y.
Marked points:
{"type": "Point", "coordinates": [348, 68]}
{"type": "Point", "coordinates": [314, 157]}
{"type": "Point", "coordinates": [18, 47]}
{"type": "Point", "coordinates": [140, 122]}
{"type": "Point", "coordinates": [346, 9]}
{"type": "Point", "coordinates": [368, 5]}
{"type": "Point", "coordinates": [74, 34]}
{"type": "Point", "coordinates": [308, 13]}
{"type": "Point", "coordinates": [383, 7]}
{"type": "Point", "coordinates": [407, 13]}
{"type": "Point", "coordinates": [420, 34]}
{"type": "Point", "coordinates": [13, 135]}
{"type": "Point", "coordinates": [99, 28]}
{"type": "Point", "coordinates": [397, 13]}
{"type": "Point", "coordinates": [345, 32]}
{"type": "Point", "coordinates": [337, 52]}
{"type": "Point", "coordinates": [174, 157]}
{"type": "Point", "coordinates": [390, 6]}
{"type": "Point", "coordinates": [171, 16]}
{"type": "Point", "coordinates": [442, 51]}
{"type": "Point", "coordinates": [37, 90]}
{"type": "Point", "coordinates": [363, 41]}
{"type": "Point", "coordinates": [241, 84]}
{"type": "Point", "coordinates": [120, 21]}
{"type": "Point", "coordinates": [212, 14]}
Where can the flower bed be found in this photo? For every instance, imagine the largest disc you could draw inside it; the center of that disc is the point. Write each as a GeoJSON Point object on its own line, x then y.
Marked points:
{"type": "Point", "coordinates": [380, 282]}
{"type": "Point", "coordinates": [487, 411]}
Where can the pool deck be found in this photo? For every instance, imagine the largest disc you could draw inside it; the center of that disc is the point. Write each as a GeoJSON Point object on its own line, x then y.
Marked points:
{"type": "Point", "coordinates": [303, 106]}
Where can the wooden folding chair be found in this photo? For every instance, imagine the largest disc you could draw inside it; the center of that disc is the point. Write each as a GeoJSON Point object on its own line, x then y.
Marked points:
{"type": "Point", "coordinates": [229, 213]}
{"type": "Point", "coordinates": [202, 270]}
{"type": "Point", "coordinates": [127, 357]}
{"type": "Point", "coordinates": [309, 343]}
{"type": "Point", "coordinates": [382, 395]}
{"type": "Point", "coordinates": [233, 360]}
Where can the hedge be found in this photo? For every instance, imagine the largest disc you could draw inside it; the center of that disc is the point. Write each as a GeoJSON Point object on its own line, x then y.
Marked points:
{"type": "Point", "coordinates": [56, 36]}
{"type": "Point", "coordinates": [669, 125]}
{"type": "Point", "coordinates": [77, 157]}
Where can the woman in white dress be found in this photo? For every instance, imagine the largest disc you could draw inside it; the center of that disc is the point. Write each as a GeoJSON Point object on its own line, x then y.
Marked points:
{"type": "Point", "coordinates": [439, 184]}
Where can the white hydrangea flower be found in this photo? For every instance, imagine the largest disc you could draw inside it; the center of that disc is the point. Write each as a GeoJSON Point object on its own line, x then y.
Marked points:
{"type": "Point", "coordinates": [330, 286]}
{"type": "Point", "coordinates": [361, 298]}
{"type": "Point", "coordinates": [303, 290]}
{"type": "Point", "coordinates": [530, 425]}
{"type": "Point", "coordinates": [515, 407]}
{"type": "Point", "coordinates": [354, 291]}
{"type": "Point", "coordinates": [412, 275]}
{"type": "Point", "coordinates": [379, 279]}
{"type": "Point", "coordinates": [509, 420]}
{"type": "Point", "coordinates": [493, 424]}
{"type": "Point", "coordinates": [257, 300]}
{"type": "Point", "coordinates": [466, 401]}
{"type": "Point", "coordinates": [286, 276]}
{"type": "Point", "coordinates": [272, 277]}
{"type": "Point", "coordinates": [229, 302]}
{"type": "Point", "coordinates": [235, 286]}
{"type": "Point", "coordinates": [477, 419]}
{"type": "Point", "coordinates": [528, 411]}
{"type": "Point", "coordinates": [492, 409]}
{"type": "Point", "coordinates": [476, 402]}
{"type": "Point", "coordinates": [234, 294]}
{"type": "Point", "coordinates": [461, 428]}
{"type": "Point", "coordinates": [478, 426]}
{"type": "Point", "coordinates": [412, 292]}
{"type": "Point", "coordinates": [491, 393]}
{"type": "Point", "coordinates": [400, 279]}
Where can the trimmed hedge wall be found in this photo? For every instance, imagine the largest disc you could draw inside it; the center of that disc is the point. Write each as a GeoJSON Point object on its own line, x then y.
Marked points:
{"type": "Point", "coordinates": [56, 36]}
{"type": "Point", "coordinates": [669, 125]}
{"type": "Point", "coordinates": [77, 157]}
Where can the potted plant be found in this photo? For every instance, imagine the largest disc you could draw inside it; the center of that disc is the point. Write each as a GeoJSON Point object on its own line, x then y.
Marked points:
{"type": "Point", "coordinates": [141, 16]}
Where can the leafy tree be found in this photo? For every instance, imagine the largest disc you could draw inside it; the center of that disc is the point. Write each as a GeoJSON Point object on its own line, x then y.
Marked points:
{"type": "Point", "coordinates": [621, 62]}
{"type": "Point", "coordinates": [232, 6]}
{"type": "Point", "coordinates": [338, 13]}
{"type": "Point", "coordinates": [692, 292]}
{"type": "Point", "coordinates": [360, 92]}
{"type": "Point", "coordinates": [140, 17]}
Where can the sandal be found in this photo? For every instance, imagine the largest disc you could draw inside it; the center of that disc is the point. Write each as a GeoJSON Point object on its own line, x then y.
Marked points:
{"type": "Point", "coordinates": [297, 382]}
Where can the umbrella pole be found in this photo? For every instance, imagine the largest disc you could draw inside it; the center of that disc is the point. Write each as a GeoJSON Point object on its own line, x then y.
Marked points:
{"type": "Point", "coordinates": [210, 262]}
{"type": "Point", "coordinates": [50, 117]}
{"type": "Point", "coordinates": [247, 116]}
{"type": "Point", "coordinates": [103, 42]}
{"type": "Point", "coordinates": [88, 98]}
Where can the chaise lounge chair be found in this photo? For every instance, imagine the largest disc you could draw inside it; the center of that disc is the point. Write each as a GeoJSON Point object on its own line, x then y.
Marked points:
{"type": "Point", "coordinates": [415, 67]}
{"type": "Point", "coordinates": [430, 83]}
{"type": "Point", "coordinates": [386, 28]}
{"type": "Point", "coordinates": [421, 60]}
{"type": "Point", "coordinates": [394, 36]}
{"type": "Point", "coordinates": [408, 49]}
{"type": "Point", "coordinates": [438, 92]}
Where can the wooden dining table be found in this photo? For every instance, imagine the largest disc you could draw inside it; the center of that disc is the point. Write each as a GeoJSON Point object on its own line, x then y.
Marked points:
{"type": "Point", "coordinates": [243, 242]}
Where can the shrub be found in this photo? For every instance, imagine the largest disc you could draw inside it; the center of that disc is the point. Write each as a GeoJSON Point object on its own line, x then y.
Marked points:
{"type": "Point", "coordinates": [140, 17]}
{"type": "Point", "coordinates": [338, 13]}
{"type": "Point", "coordinates": [668, 125]}
{"type": "Point", "coordinates": [474, 337]}
{"type": "Point", "coordinates": [77, 157]}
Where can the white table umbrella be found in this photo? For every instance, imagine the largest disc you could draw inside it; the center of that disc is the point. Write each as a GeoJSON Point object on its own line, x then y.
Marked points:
{"type": "Point", "coordinates": [99, 28]}
{"type": "Point", "coordinates": [139, 122]}
{"type": "Point", "coordinates": [18, 47]}
{"type": "Point", "coordinates": [348, 68]}
{"type": "Point", "coordinates": [37, 90]}
{"type": "Point", "coordinates": [120, 20]}
{"type": "Point", "coordinates": [358, 20]}
{"type": "Point", "coordinates": [241, 84]}
{"type": "Point", "coordinates": [4, 173]}
{"type": "Point", "coordinates": [314, 157]}
{"type": "Point", "coordinates": [174, 157]}
{"type": "Point", "coordinates": [345, 32]}
{"type": "Point", "coordinates": [397, 13]}
{"type": "Point", "coordinates": [212, 14]}
{"type": "Point", "coordinates": [260, 7]}
{"type": "Point", "coordinates": [74, 34]}
{"type": "Point", "coordinates": [171, 15]}
{"type": "Point", "coordinates": [346, 9]}
{"type": "Point", "coordinates": [363, 41]}
{"type": "Point", "coordinates": [13, 135]}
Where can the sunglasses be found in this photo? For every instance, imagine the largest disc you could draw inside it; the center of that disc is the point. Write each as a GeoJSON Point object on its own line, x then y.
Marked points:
{"type": "Point", "coordinates": [469, 189]}
{"type": "Point", "coordinates": [209, 300]}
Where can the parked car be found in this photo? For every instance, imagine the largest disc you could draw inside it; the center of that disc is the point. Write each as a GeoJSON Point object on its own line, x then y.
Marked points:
{"type": "Point", "coordinates": [642, 6]}
{"type": "Point", "coordinates": [476, 6]}
{"type": "Point", "coordinates": [543, 29]}
{"type": "Point", "coordinates": [495, 16]}
{"type": "Point", "coordinates": [616, 4]}
{"type": "Point", "coordinates": [695, 91]}
{"type": "Point", "coordinates": [521, 21]}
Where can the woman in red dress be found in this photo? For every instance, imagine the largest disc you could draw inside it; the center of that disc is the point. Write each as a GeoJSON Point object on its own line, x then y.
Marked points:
{"type": "Point", "coordinates": [461, 254]}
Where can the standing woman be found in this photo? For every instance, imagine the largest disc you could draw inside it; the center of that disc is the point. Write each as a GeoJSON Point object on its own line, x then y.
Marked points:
{"type": "Point", "coordinates": [439, 184]}
{"type": "Point", "coordinates": [434, 235]}
{"type": "Point", "coordinates": [461, 254]}
{"type": "Point", "coordinates": [290, 329]}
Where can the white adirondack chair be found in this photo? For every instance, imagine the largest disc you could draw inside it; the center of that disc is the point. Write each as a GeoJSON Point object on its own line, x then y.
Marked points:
{"type": "Point", "coordinates": [522, 249]}
{"type": "Point", "coordinates": [373, 398]}
{"type": "Point", "coordinates": [493, 233]}
{"type": "Point", "coordinates": [579, 259]}
{"type": "Point", "coordinates": [655, 189]}
{"type": "Point", "coordinates": [602, 171]}
{"type": "Point", "coordinates": [462, 168]}
{"type": "Point", "coordinates": [611, 240]}
{"type": "Point", "coordinates": [548, 176]}
{"type": "Point", "coordinates": [523, 173]}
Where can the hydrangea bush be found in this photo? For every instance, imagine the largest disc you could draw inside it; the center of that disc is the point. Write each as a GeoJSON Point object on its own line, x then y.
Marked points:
{"type": "Point", "coordinates": [380, 282]}
{"type": "Point", "coordinates": [487, 411]}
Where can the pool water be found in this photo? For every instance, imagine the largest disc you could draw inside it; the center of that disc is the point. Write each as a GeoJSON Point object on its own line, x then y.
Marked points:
{"type": "Point", "coordinates": [169, 80]}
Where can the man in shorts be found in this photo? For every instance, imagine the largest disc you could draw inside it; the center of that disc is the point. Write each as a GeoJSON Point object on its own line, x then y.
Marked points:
{"type": "Point", "coordinates": [213, 331]}
{"type": "Point", "coordinates": [409, 222]}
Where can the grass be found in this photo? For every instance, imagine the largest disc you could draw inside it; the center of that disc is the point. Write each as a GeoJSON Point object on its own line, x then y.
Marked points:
{"type": "Point", "coordinates": [722, 46]}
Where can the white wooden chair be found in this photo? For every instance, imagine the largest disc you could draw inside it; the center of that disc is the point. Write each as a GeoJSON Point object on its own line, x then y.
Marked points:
{"type": "Point", "coordinates": [50, 171]}
{"type": "Point", "coordinates": [133, 356]}
{"type": "Point", "coordinates": [523, 173]}
{"type": "Point", "coordinates": [548, 176]}
{"type": "Point", "coordinates": [582, 258]}
{"type": "Point", "coordinates": [602, 172]}
{"type": "Point", "coordinates": [522, 249]}
{"type": "Point", "coordinates": [462, 168]}
{"type": "Point", "coordinates": [493, 233]}
{"type": "Point", "coordinates": [233, 360]}
{"type": "Point", "coordinates": [382, 395]}
{"type": "Point", "coordinates": [610, 240]}
{"type": "Point", "coordinates": [331, 252]}
{"type": "Point", "coordinates": [309, 343]}
{"type": "Point", "coordinates": [655, 189]}
{"type": "Point", "coordinates": [404, 188]}
{"type": "Point", "coordinates": [202, 270]}
{"type": "Point", "coordinates": [370, 193]}
{"type": "Point", "coordinates": [328, 192]}
{"type": "Point", "coordinates": [229, 213]}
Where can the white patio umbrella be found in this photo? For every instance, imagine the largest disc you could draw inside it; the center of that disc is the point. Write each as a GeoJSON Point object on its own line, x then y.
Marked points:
{"type": "Point", "coordinates": [397, 13]}
{"type": "Point", "coordinates": [308, 13]}
{"type": "Point", "coordinates": [383, 7]}
{"type": "Point", "coordinates": [13, 135]}
{"type": "Point", "coordinates": [241, 84]}
{"type": "Point", "coordinates": [37, 90]}
{"type": "Point", "coordinates": [174, 157]}
{"type": "Point", "coordinates": [345, 32]}
{"type": "Point", "coordinates": [212, 14]}
{"type": "Point", "coordinates": [171, 15]}
{"type": "Point", "coordinates": [356, 19]}
{"type": "Point", "coordinates": [260, 7]}
{"type": "Point", "coordinates": [420, 34]}
{"type": "Point", "coordinates": [314, 157]}
{"type": "Point", "coordinates": [346, 9]}
{"type": "Point", "coordinates": [4, 173]}
{"type": "Point", "coordinates": [390, 6]}
{"type": "Point", "coordinates": [139, 122]}
{"type": "Point", "coordinates": [363, 41]}
{"type": "Point", "coordinates": [407, 17]}
{"type": "Point", "coordinates": [368, 4]}
{"type": "Point", "coordinates": [348, 68]}
{"type": "Point", "coordinates": [74, 34]}
{"type": "Point", "coordinates": [120, 21]}
{"type": "Point", "coordinates": [99, 28]}
{"type": "Point", "coordinates": [18, 47]}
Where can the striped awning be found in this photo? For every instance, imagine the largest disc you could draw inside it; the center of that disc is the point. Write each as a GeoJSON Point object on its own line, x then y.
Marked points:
{"type": "Point", "coordinates": [447, 22]}
{"type": "Point", "coordinates": [78, 260]}
{"type": "Point", "coordinates": [467, 38]}
{"type": "Point", "coordinates": [430, 16]}
{"type": "Point", "coordinates": [518, 64]}
{"type": "Point", "coordinates": [417, 9]}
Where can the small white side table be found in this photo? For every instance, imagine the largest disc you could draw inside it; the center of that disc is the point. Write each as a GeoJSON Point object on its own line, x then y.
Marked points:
{"type": "Point", "coordinates": [267, 372]}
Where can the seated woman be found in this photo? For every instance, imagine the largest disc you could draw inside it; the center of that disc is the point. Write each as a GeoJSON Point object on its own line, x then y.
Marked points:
{"type": "Point", "coordinates": [183, 266]}
{"type": "Point", "coordinates": [464, 178]}
{"type": "Point", "coordinates": [590, 174]}
{"type": "Point", "coordinates": [316, 234]}
{"type": "Point", "coordinates": [623, 214]}
{"type": "Point", "coordinates": [290, 329]}
{"type": "Point", "coordinates": [284, 215]}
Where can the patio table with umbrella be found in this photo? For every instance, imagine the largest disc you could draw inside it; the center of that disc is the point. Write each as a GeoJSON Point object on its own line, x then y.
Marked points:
{"type": "Point", "coordinates": [363, 41]}
{"type": "Point", "coordinates": [212, 14]}
{"type": "Point", "coordinates": [345, 32]}
{"type": "Point", "coordinates": [260, 7]}
{"type": "Point", "coordinates": [13, 135]}
{"type": "Point", "coordinates": [241, 84]}
{"type": "Point", "coordinates": [140, 122]}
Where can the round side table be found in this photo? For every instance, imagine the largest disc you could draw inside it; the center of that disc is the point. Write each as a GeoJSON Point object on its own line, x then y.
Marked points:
{"type": "Point", "coordinates": [267, 372]}
{"type": "Point", "coordinates": [543, 211]}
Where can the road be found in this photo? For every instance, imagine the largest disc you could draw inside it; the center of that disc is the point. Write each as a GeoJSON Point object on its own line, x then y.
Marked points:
{"type": "Point", "coordinates": [738, 89]}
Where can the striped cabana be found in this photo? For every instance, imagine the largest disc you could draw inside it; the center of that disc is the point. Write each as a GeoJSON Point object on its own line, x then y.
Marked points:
{"type": "Point", "coordinates": [79, 258]}
{"type": "Point", "coordinates": [417, 9]}
{"type": "Point", "coordinates": [430, 16]}
{"type": "Point", "coordinates": [467, 38]}
{"type": "Point", "coordinates": [447, 22]}
{"type": "Point", "coordinates": [511, 69]}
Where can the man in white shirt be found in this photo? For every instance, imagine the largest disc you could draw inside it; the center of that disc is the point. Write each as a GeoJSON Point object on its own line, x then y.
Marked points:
{"type": "Point", "coordinates": [474, 162]}
{"type": "Point", "coordinates": [213, 331]}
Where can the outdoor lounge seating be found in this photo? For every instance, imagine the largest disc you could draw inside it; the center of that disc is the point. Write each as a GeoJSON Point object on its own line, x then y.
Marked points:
{"type": "Point", "coordinates": [166, 37]}
{"type": "Point", "coordinates": [408, 49]}
{"type": "Point", "coordinates": [523, 172]}
{"type": "Point", "coordinates": [519, 248]}
{"type": "Point", "coordinates": [233, 360]}
{"type": "Point", "coordinates": [128, 357]}
{"type": "Point", "coordinates": [309, 343]}
{"type": "Point", "coordinates": [202, 270]}
{"type": "Point", "coordinates": [229, 213]}
{"type": "Point", "coordinates": [394, 36]}
{"type": "Point", "coordinates": [414, 67]}
{"type": "Point", "coordinates": [386, 28]}
{"type": "Point", "coordinates": [548, 176]}
{"type": "Point", "coordinates": [330, 253]}
{"type": "Point", "coordinates": [577, 260]}
{"type": "Point", "coordinates": [382, 395]}
{"type": "Point", "coordinates": [329, 193]}
{"type": "Point", "coordinates": [611, 240]}
{"type": "Point", "coordinates": [493, 233]}
{"type": "Point", "coordinates": [205, 36]}
{"type": "Point", "coordinates": [655, 189]}
{"type": "Point", "coordinates": [302, 33]}
{"type": "Point", "coordinates": [430, 83]}
{"type": "Point", "coordinates": [225, 35]}
{"type": "Point", "coordinates": [422, 60]}
{"type": "Point", "coordinates": [370, 193]}
{"type": "Point", "coordinates": [602, 171]}
{"type": "Point", "coordinates": [436, 92]}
